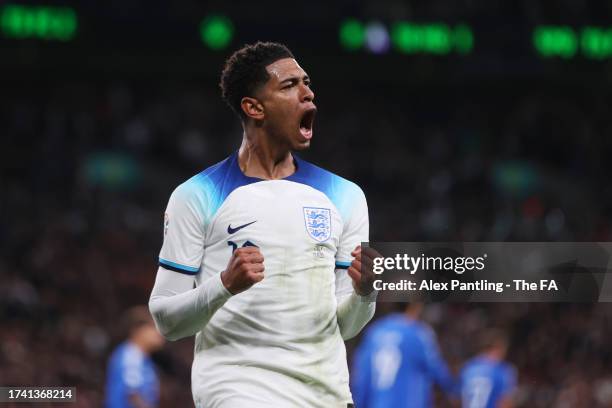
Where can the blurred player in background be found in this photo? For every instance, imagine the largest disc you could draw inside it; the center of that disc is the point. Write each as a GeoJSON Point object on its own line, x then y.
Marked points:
{"type": "Point", "coordinates": [276, 341]}
{"type": "Point", "coordinates": [131, 378]}
{"type": "Point", "coordinates": [486, 380]}
{"type": "Point", "coordinates": [397, 363]}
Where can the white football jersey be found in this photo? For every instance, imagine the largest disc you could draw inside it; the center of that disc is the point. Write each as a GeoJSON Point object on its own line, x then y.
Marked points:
{"type": "Point", "coordinates": [277, 344]}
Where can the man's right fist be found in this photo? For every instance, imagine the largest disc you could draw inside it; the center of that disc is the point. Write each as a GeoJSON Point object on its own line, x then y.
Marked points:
{"type": "Point", "coordinates": [245, 268]}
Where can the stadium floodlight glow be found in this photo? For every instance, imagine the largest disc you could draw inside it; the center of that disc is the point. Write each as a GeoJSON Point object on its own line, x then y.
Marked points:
{"type": "Point", "coordinates": [555, 41]}
{"type": "Point", "coordinates": [596, 42]}
{"type": "Point", "coordinates": [47, 23]}
{"type": "Point", "coordinates": [216, 31]}
{"type": "Point", "coordinates": [377, 38]}
{"type": "Point", "coordinates": [352, 34]}
{"type": "Point", "coordinates": [437, 38]}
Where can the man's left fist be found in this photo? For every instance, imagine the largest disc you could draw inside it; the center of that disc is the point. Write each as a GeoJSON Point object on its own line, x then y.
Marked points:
{"type": "Point", "coordinates": [360, 270]}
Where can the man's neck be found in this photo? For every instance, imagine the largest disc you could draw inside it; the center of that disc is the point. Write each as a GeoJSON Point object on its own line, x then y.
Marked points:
{"type": "Point", "coordinates": [260, 158]}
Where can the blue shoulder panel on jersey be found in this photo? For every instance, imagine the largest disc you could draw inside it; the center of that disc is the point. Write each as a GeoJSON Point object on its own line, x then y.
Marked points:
{"type": "Point", "coordinates": [217, 182]}
{"type": "Point", "coordinates": [340, 191]}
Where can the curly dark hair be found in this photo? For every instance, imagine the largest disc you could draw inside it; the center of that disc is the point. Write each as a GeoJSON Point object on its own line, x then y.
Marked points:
{"type": "Point", "coordinates": [245, 71]}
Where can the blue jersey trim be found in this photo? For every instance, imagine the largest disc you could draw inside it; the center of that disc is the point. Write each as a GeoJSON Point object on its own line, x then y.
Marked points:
{"type": "Point", "coordinates": [341, 192]}
{"type": "Point", "coordinates": [342, 265]}
{"type": "Point", "coordinates": [218, 181]}
{"type": "Point", "coordinates": [173, 266]}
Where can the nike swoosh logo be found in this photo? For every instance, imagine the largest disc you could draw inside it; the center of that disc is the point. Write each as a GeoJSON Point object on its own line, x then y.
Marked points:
{"type": "Point", "coordinates": [231, 230]}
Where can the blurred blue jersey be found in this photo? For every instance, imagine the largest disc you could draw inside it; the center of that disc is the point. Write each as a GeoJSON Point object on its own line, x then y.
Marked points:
{"type": "Point", "coordinates": [396, 365]}
{"type": "Point", "coordinates": [484, 382]}
{"type": "Point", "coordinates": [130, 371]}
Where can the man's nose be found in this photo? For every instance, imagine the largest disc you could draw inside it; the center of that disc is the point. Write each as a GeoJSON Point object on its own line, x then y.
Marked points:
{"type": "Point", "coordinates": [307, 94]}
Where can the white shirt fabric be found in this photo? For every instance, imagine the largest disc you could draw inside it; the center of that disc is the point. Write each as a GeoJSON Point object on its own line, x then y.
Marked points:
{"type": "Point", "coordinates": [281, 342]}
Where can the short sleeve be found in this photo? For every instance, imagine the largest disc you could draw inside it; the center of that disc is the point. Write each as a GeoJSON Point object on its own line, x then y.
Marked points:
{"type": "Point", "coordinates": [356, 228]}
{"type": "Point", "coordinates": [184, 230]}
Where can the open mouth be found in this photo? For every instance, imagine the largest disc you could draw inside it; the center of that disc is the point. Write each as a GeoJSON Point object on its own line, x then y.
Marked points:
{"type": "Point", "coordinates": [307, 122]}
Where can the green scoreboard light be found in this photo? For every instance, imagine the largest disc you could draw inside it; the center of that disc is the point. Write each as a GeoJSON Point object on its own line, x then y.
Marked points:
{"type": "Point", "coordinates": [412, 38]}
{"type": "Point", "coordinates": [438, 38]}
{"type": "Point", "coordinates": [42, 22]}
{"type": "Point", "coordinates": [596, 42]}
{"type": "Point", "coordinates": [216, 32]}
{"type": "Point", "coordinates": [565, 42]}
{"type": "Point", "coordinates": [352, 34]}
{"type": "Point", "coordinates": [555, 41]}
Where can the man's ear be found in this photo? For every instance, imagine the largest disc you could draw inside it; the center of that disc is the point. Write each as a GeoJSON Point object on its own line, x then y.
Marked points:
{"type": "Point", "coordinates": [252, 108]}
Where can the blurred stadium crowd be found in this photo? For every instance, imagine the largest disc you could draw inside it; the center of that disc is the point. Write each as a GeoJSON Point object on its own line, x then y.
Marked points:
{"type": "Point", "coordinates": [88, 167]}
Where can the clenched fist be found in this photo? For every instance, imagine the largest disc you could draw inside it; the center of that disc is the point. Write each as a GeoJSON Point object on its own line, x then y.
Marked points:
{"type": "Point", "coordinates": [245, 268]}
{"type": "Point", "coordinates": [361, 271]}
